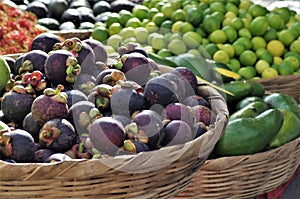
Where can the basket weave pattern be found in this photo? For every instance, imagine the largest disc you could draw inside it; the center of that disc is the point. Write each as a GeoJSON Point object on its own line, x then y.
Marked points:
{"type": "Point", "coordinates": [155, 174]}
{"type": "Point", "coordinates": [244, 176]}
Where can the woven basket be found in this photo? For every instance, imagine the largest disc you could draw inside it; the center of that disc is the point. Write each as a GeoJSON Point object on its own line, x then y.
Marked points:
{"type": "Point", "coordinates": [156, 174]}
{"type": "Point", "coordinates": [288, 84]}
{"type": "Point", "coordinates": [244, 176]}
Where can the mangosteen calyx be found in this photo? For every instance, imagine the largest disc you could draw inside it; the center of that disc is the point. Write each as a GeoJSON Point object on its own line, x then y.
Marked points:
{"type": "Point", "coordinates": [48, 134]}
{"type": "Point", "coordinates": [135, 134]}
{"type": "Point", "coordinates": [87, 118]}
{"type": "Point", "coordinates": [27, 66]}
{"type": "Point", "coordinates": [72, 70]}
{"type": "Point", "coordinates": [34, 80]}
{"type": "Point", "coordinates": [56, 94]}
{"type": "Point", "coordinates": [5, 146]}
{"type": "Point", "coordinates": [113, 77]}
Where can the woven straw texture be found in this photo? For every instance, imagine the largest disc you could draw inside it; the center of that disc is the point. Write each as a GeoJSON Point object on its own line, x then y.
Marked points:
{"type": "Point", "coordinates": [244, 176]}
{"type": "Point", "coordinates": [81, 34]}
{"type": "Point", "coordinates": [156, 174]}
{"type": "Point", "coordinates": [288, 84]}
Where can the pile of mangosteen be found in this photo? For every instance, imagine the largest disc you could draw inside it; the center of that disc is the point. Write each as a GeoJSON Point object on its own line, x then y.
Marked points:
{"type": "Point", "coordinates": [68, 99]}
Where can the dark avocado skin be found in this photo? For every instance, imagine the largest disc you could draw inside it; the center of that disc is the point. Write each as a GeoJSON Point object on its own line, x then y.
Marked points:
{"type": "Point", "coordinates": [245, 136]}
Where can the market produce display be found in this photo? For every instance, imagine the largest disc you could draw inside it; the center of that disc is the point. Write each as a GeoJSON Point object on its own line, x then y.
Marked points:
{"type": "Point", "coordinates": [63, 101]}
{"type": "Point", "coordinates": [251, 40]}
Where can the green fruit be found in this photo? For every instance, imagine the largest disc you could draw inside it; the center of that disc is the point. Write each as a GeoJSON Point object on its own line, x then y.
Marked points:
{"type": "Point", "coordinates": [4, 126]}
{"type": "Point", "coordinates": [289, 130]}
{"type": "Point", "coordinates": [245, 136]}
{"type": "Point", "coordinates": [5, 74]}
{"type": "Point", "coordinates": [240, 89]}
{"type": "Point", "coordinates": [251, 110]}
{"type": "Point", "coordinates": [247, 100]}
{"type": "Point", "coordinates": [258, 89]}
{"type": "Point", "coordinates": [283, 101]}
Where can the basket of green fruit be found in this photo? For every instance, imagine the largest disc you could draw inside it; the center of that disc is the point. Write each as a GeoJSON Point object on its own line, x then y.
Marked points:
{"type": "Point", "coordinates": [76, 123]}
{"type": "Point", "coordinates": [258, 151]}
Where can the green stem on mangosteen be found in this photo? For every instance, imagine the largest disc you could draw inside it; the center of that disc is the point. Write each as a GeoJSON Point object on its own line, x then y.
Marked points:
{"type": "Point", "coordinates": [84, 119]}
{"type": "Point", "coordinates": [102, 102]}
{"type": "Point", "coordinates": [118, 65]}
{"type": "Point", "coordinates": [94, 114]}
{"type": "Point", "coordinates": [19, 89]}
{"type": "Point", "coordinates": [27, 66]}
{"type": "Point", "coordinates": [129, 146]}
{"type": "Point", "coordinates": [48, 134]}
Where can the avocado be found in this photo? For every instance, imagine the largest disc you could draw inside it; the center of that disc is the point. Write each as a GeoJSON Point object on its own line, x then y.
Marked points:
{"type": "Point", "coordinates": [49, 23]}
{"type": "Point", "coordinates": [57, 7]}
{"type": "Point", "coordinates": [245, 136]}
{"type": "Point", "coordinates": [5, 74]}
{"type": "Point", "coordinates": [283, 101]}
{"type": "Point", "coordinates": [38, 8]}
{"type": "Point", "coordinates": [68, 25]}
{"type": "Point", "coordinates": [240, 89]}
{"type": "Point", "coordinates": [247, 100]}
{"type": "Point", "coordinates": [251, 110]}
{"type": "Point", "coordinates": [258, 89]}
{"type": "Point", "coordinates": [289, 130]}
{"type": "Point", "coordinates": [101, 7]}
{"type": "Point", "coordinates": [73, 15]}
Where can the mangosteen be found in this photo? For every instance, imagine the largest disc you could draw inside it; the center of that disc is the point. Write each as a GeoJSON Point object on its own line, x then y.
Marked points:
{"type": "Point", "coordinates": [33, 60]}
{"type": "Point", "coordinates": [10, 61]}
{"type": "Point", "coordinates": [100, 96]}
{"type": "Point", "coordinates": [203, 114]}
{"type": "Point", "coordinates": [198, 129]}
{"type": "Point", "coordinates": [176, 132]}
{"type": "Point", "coordinates": [149, 124]}
{"type": "Point", "coordinates": [38, 8]}
{"type": "Point", "coordinates": [98, 48]}
{"type": "Point", "coordinates": [71, 14]}
{"type": "Point", "coordinates": [79, 151]}
{"type": "Point", "coordinates": [122, 118]}
{"type": "Point", "coordinates": [110, 77]}
{"type": "Point", "coordinates": [18, 64]}
{"type": "Point", "coordinates": [125, 100]}
{"type": "Point", "coordinates": [58, 157]}
{"type": "Point", "coordinates": [194, 100]}
{"type": "Point", "coordinates": [57, 7]}
{"type": "Point", "coordinates": [35, 81]}
{"type": "Point", "coordinates": [86, 58]}
{"type": "Point", "coordinates": [61, 67]}
{"type": "Point", "coordinates": [57, 135]}
{"type": "Point", "coordinates": [68, 25]}
{"type": "Point", "coordinates": [75, 96]}
{"type": "Point", "coordinates": [18, 145]}
{"type": "Point", "coordinates": [107, 135]}
{"type": "Point", "coordinates": [118, 5]}
{"type": "Point", "coordinates": [86, 14]}
{"type": "Point", "coordinates": [44, 41]}
{"type": "Point", "coordinates": [31, 126]}
{"type": "Point", "coordinates": [180, 84]}
{"type": "Point", "coordinates": [16, 104]}
{"type": "Point", "coordinates": [188, 77]}
{"type": "Point", "coordinates": [52, 104]}
{"type": "Point", "coordinates": [135, 147]}
{"type": "Point", "coordinates": [136, 67]}
{"type": "Point", "coordinates": [42, 155]}
{"type": "Point", "coordinates": [85, 83]}
{"type": "Point", "coordinates": [178, 111]}
{"type": "Point", "coordinates": [160, 90]}
{"type": "Point", "coordinates": [81, 115]}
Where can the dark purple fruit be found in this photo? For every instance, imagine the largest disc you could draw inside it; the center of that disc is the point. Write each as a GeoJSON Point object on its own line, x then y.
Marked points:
{"type": "Point", "coordinates": [42, 155]}
{"type": "Point", "coordinates": [18, 64]}
{"type": "Point", "coordinates": [195, 100]}
{"type": "Point", "coordinates": [58, 157]}
{"type": "Point", "coordinates": [122, 118]}
{"type": "Point", "coordinates": [71, 14]}
{"type": "Point", "coordinates": [125, 100]}
{"type": "Point", "coordinates": [44, 42]}
{"type": "Point", "coordinates": [18, 145]}
{"type": "Point", "coordinates": [16, 104]}
{"type": "Point", "coordinates": [52, 104]}
{"type": "Point", "coordinates": [178, 111]}
{"type": "Point", "coordinates": [110, 77]}
{"type": "Point", "coordinates": [85, 83]}
{"type": "Point", "coordinates": [79, 151]}
{"type": "Point", "coordinates": [81, 115]}
{"type": "Point", "coordinates": [100, 96]}
{"type": "Point", "coordinates": [199, 129]}
{"type": "Point", "coordinates": [136, 67]}
{"type": "Point", "coordinates": [150, 124]}
{"type": "Point", "coordinates": [57, 135]}
{"type": "Point", "coordinates": [98, 48]}
{"type": "Point", "coordinates": [31, 126]}
{"type": "Point", "coordinates": [86, 14]}
{"type": "Point", "coordinates": [61, 67]}
{"type": "Point", "coordinates": [188, 77]}
{"type": "Point", "coordinates": [107, 135]}
{"type": "Point", "coordinates": [203, 114]}
{"type": "Point", "coordinates": [75, 96]}
{"type": "Point", "coordinates": [86, 58]}
{"type": "Point", "coordinates": [160, 90]}
{"type": "Point", "coordinates": [176, 132]}
{"type": "Point", "coordinates": [180, 84]}
{"type": "Point", "coordinates": [34, 60]}
{"type": "Point", "coordinates": [38, 8]}
{"type": "Point", "coordinates": [135, 147]}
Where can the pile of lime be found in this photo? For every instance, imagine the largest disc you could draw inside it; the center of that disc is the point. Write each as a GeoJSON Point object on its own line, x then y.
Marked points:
{"type": "Point", "coordinates": [250, 39]}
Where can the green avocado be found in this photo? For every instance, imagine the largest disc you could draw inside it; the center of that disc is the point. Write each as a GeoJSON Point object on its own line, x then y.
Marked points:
{"type": "Point", "coordinates": [240, 89]}
{"type": "Point", "coordinates": [5, 74]}
{"type": "Point", "coordinates": [289, 130]}
{"type": "Point", "coordinates": [247, 100]}
{"type": "Point", "coordinates": [245, 136]}
{"type": "Point", "coordinates": [251, 110]}
{"type": "Point", "coordinates": [258, 89]}
{"type": "Point", "coordinates": [283, 101]}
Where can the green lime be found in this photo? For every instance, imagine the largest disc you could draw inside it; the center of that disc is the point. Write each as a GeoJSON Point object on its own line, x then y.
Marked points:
{"type": "Point", "coordinates": [221, 56]}
{"type": "Point", "coordinates": [269, 72]}
{"type": "Point", "coordinates": [237, 23]}
{"type": "Point", "coordinates": [271, 34]}
{"type": "Point", "coordinates": [210, 23]}
{"type": "Point", "coordinates": [124, 16]}
{"type": "Point", "coordinates": [259, 26]}
{"type": "Point", "coordinates": [127, 32]}
{"type": "Point", "coordinates": [244, 32]}
{"type": "Point", "coordinates": [292, 60]}
{"type": "Point", "coordinates": [114, 41]}
{"type": "Point", "coordinates": [152, 12]}
{"type": "Point", "coordinates": [286, 37]}
{"type": "Point", "coordinates": [177, 46]}
{"type": "Point", "coordinates": [151, 27]}
{"type": "Point", "coordinates": [239, 48]}
{"type": "Point", "coordinates": [284, 12]}
{"type": "Point", "coordinates": [186, 27]}
{"type": "Point", "coordinates": [229, 49]}
{"type": "Point", "coordinates": [192, 39]}
{"type": "Point", "coordinates": [211, 48]}
{"type": "Point", "coordinates": [218, 37]}
{"type": "Point", "coordinates": [141, 34]}
{"type": "Point", "coordinates": [247, 72]}
{"type": "Point", "coordinates": [231, 33]}
{"type": "Point", "coordinates": [231, 7]}
{"type": "Point", "coordinates": [100, 33]}
{"type": "Point", "coordinates": [261, 65]}
{"type": "Point", "coordinates": [112, 18]}
{"type": "Point", "coordinates": [133, 22]}
{"type": "Point", "coordinates": [246, 41]}
{"type": "Point", "coordinates": [194, 16]}
{"type": "Point", "coordinates": [285, 68]}
{"type": "Point", "coordinates": [178, 15]}
{"type": "Point", "coordinates": [292, 53]}
{"type": "Point", "coordinates": [276, 21]}
{"type": "Point", "coordinates": [159, 18]}
{"type": "Point", "coordinates": [234, 65]}
{"type": "Point", "coordinates": [258, 42]}
{"type": "Point", "coordinates": [167, 9]}
{"type": "Point", "coordinates": [257, 10]}
{"type": "Point", "coordinates": [140, 11]}
{"type": "Point", "coordinates": [166, 26]}
{"type": "Point", "coordinates": [216, 6]}
{"type": "Point", "coordinates": [164, 53]}
{"type": "Point", "coordinates": [114, 28]}
{"type": "Point", "coordinates": [295, 46]}
{"type": "Point", "coordinates": [158, 42]}
{"type": "Point", "coordinates": [248, 58]}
